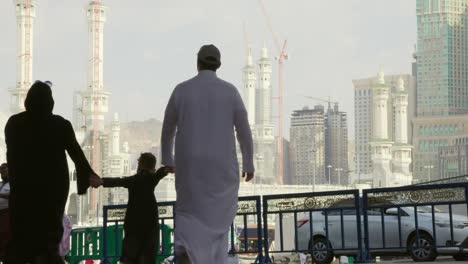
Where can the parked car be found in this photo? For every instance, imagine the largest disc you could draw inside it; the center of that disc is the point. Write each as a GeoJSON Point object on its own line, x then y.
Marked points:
{"type": "Point", "coordinates": [324, 248]}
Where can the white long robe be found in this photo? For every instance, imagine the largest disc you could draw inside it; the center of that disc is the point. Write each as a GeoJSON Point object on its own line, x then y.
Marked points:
{"type": "Point", "coordinates": [201, 115]}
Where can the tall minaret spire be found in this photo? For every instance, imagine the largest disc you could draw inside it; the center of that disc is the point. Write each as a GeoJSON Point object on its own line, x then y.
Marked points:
{"type": "Point", "coordinates": [95, 98]}
{"type": "Point", "coordinates": [249, 56]}
{"type": "Point", "coordinates": [381, 144]}
{"type": "Point", "coordinates": [250, 83]}
{"type": "Point", "coordinates": [264, 51]}
{"type": "Point", "coordinates": [25, 14]}
{"type": "Point", "coordinates": [401, 150]}
{"type": "Point", "coordinates": [264, 138]}
{"type": "Point", "coordinates": [263, 115]}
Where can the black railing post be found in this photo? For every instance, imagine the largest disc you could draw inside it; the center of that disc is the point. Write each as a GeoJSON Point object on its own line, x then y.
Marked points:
{"type": "Point", "coordinates": [232, 251]}
{"type": "Point", "coordinates": [265, 229]}
{"type": "Point", "coordinates": [367, 258]}
{"type": "Point", "coordinates": [260, 258]}
{"type": "Point", "coordinates": [105, 259]}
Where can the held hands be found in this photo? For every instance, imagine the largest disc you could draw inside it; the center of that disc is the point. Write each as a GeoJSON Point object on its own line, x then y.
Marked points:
{"type": "Point", "coordinates": [95, 181]}
{"type": "Point", "coordinates": [248, 176]}
{"type": "Point", "coordinates": [169, 169]}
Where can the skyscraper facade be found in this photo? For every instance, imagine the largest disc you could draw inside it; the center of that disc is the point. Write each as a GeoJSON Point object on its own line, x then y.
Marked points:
{"type": "Point", "coordinates": [442, 57]}
{"type": "Point", "coordinates": [442, 93]}
{"type": "Point", "coordinates": [336, 146]}
{"type": "Point", "coordinates": [307, 146]}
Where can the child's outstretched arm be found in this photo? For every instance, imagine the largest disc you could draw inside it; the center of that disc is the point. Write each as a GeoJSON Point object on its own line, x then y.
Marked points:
{"type": "Point", "coordinates": [116, 182]}
{"type": "Point", "coordinates": [159, 174]}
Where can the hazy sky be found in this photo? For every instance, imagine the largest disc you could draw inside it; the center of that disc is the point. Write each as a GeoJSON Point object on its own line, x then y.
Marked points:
{"type": "Point", "coordinates": [151, 45]}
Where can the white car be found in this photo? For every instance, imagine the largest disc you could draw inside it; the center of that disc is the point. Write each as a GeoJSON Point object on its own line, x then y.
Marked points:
{"type": "Point", "coordinates": [324, 247]}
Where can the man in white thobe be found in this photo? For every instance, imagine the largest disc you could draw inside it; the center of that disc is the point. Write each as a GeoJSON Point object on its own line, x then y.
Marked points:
{"type": "Point", "coordinates": [201, 116]}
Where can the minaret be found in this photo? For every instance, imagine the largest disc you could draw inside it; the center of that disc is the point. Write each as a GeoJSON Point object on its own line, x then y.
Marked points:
{"type": "Point", "coordinates": [381, 144]}
{"type": "Point", "coordinates": [25, 14]}
{"type": "Point", "coordinates": [115, 135]}
{"type": "Point", "coordinates": [265, 147]}
{"type": "Point", "coordinates": [250, 80]}
{"type": "Point", "coordinates": [400, 103]}
{"type": "Point", "coordinates": [95, 98]}
{"type": "Point", "coordinates": [380, 107]}
{"type": "Point", "coordinates": [263, 111]}
{"type": "Point", "coordinates": [401, 150]}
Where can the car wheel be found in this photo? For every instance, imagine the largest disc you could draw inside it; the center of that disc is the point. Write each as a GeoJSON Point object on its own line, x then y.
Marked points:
{"type": "Point", "coordinates": [460, 257]}
{"type": "Point", "coordinates": [424, 250]}
{"type": "Point", "coordinates": [321, 251]}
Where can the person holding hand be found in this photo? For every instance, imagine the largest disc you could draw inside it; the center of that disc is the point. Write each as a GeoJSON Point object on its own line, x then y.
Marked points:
{"type": "Point", "coordinates": [140, 244]}
{"type": "Point", "coordinates": [37, 142]}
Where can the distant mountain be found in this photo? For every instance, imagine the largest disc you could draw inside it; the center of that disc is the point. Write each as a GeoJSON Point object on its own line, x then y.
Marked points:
{"type": "Point", "coordinates": [141, 135]}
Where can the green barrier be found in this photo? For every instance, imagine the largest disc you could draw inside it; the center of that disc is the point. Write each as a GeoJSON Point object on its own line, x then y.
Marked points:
{"type": "Point", "coordinates": [86, 244]}
{"type": "Point", "coordinates": [167, 248]}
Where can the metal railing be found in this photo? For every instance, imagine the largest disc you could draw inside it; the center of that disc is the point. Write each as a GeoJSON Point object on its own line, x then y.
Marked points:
{"type": "Point", "coordinates": [418, 220]}
{"type": "Point", "coordinates": [248, 207]}
{"type": "Point", "coordinates": [423, 219]}
{"type": "Point", "coordinates": [318, 224]}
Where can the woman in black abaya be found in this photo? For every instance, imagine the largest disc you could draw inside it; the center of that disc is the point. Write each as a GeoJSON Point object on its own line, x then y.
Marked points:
{"type": "Point", "coordinates": [36, 143]}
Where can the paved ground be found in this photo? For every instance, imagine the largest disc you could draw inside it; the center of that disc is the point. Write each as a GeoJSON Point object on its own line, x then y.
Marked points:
{"type": "Point", "coordinates": [446, 260]}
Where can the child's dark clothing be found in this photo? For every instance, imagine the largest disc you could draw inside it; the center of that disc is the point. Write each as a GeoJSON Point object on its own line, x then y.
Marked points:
{"type": "Point", "coordinates": [141, 219]}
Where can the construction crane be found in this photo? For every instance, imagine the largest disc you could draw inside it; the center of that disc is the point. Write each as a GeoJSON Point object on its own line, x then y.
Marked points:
{"type": "Point", "coordinates": [281, 57]}
{"type": "Point", "coordinates": [329, 101]}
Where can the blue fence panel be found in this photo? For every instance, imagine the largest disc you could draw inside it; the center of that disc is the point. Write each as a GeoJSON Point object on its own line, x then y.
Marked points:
{"type": "Point", "coordinates": [324, 224]}
{"type": "Point", "coordinates": [416, 220]}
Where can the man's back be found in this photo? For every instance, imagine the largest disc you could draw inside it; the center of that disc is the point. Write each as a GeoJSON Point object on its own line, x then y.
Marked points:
{"type": "Point", "coordinates": [201, 116]}
{"type": "Point", "coordinates": [205, 112]}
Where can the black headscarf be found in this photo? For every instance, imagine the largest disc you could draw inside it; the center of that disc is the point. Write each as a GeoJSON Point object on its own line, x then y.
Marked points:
{"type": "Point", "coordinates": [39, 100]}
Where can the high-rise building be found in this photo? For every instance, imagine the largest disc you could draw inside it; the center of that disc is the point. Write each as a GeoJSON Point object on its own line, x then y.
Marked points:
{"type": "Point", "coordinates": [442, 92]}
{"type": "Point", "coordinates": [363, 115]}
{"type": "Point", "coordinates": [307, 146]}
{"type": "Point", "coordinates": [432, 135]}
{"type": "Point", "coordinates": [442, 58]}
{"type": "Point", "coordinates": [453, 160]}
{"type": "Point", "coordinates": [25, 14]}
{"type": "Point", "coordinates": [336, 145]}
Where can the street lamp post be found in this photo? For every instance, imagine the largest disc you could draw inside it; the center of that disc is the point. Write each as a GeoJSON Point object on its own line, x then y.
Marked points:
{"type": "Point", "coordinates": [339, 170]}
{"type": "Point", "coordinates": [429, 167]}
{"type": "Point", "coordinates": [329, 174]}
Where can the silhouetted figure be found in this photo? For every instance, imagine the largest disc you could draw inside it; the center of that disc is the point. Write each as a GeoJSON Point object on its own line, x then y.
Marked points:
{"type": "Point", "coordinates": [5, 232]}
{"type": "Point", "coordinates": [141, 225]}
{"type": "Point", "coordinates": [36, 143]}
